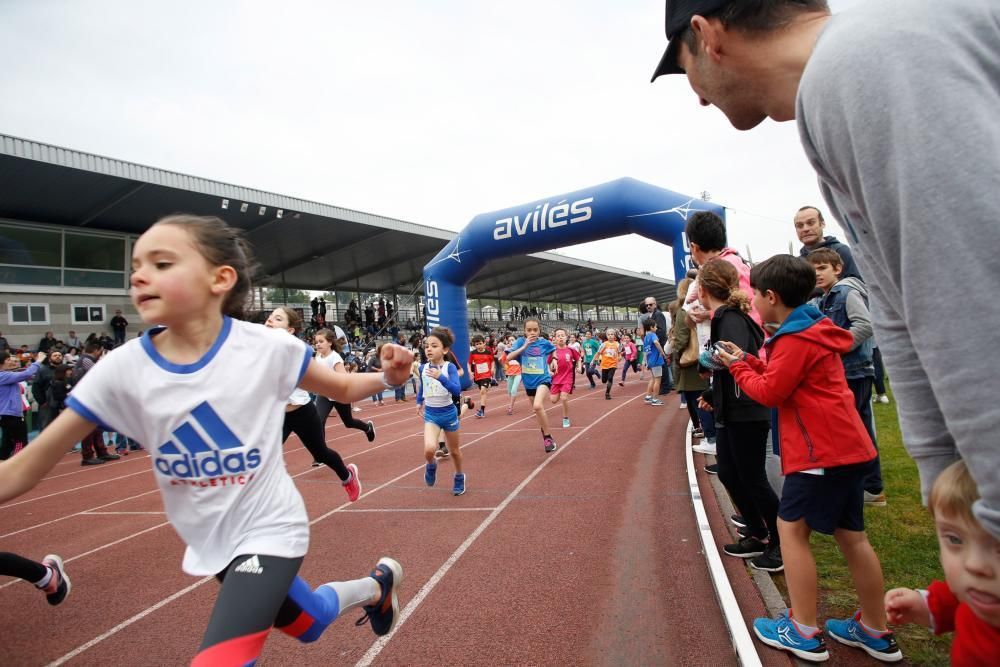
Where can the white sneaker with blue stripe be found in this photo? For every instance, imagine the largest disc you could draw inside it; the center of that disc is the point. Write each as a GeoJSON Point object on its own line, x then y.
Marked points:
{"type": "Point", "coordinates": [782, 633]}
{"type": "Point", "coordinates": [850, 632]}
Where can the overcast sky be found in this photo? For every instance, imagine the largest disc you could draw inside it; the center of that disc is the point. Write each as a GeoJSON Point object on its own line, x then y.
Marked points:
{"type": "Point", "coordinates": [430, 112]}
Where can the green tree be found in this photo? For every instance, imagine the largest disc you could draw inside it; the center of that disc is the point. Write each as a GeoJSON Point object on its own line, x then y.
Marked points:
{"type": "Point", "coordinates": [278, 295]}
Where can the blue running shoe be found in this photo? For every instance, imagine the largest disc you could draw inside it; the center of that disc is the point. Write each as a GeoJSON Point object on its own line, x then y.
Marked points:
{"type": "Point", "coordinates": [782, 634]}
{"type": "Point", "coordinates": [850, 631]}
{"type": "Point", "coordinates": [430, 473]}
{"type": "Point", "coordinates": [383, 614]}
{"type": "Point", "coordinates": [459, 487]}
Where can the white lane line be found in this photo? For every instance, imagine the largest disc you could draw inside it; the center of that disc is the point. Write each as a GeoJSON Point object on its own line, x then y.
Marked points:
{"type": "Point", "coordinates": [424, 509]}
{"type": "Point", "coordinates": [70, 516]}
{"type": "Point", "coordinates": [120, 513]}
{"type": "Point", "coordinates": [75, 488]}
{"type": "Point", "coordinates": [124, 624]}
{"type": "Point", "coordinates": [138, 457]}
{"type": "Point", "coordinates": [103, 547]}
{"type": "Point", "coordinates": [146, 612]}
{"type": "Point", "coordinates": [422, 594]}
{"type": "Point", "coordinates": [738, 631]}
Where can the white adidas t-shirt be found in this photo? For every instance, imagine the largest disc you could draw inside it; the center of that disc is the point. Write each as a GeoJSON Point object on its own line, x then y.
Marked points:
{"type": "Point", "coordinates": [213, 432]}
{"type": "Point", "coordinates": [330, 360]}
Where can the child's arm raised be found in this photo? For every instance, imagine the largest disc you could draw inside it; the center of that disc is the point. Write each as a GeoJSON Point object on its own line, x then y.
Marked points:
{"type": "Point", "coordinates": [348, 387]}
{"type": "Point", "coordinates": [22, 472]}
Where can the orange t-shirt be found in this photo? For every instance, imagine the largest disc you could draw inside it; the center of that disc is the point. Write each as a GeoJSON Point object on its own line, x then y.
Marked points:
{"type": "Point", "coordinates": [609, 353]}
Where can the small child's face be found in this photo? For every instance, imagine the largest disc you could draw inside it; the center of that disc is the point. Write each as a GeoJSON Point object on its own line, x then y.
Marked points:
{"type": "Point", "coordinates": [560, 338]}
{"type": "Point", "coordinates": [970, 558]}
{"type": "Point", "coordinates": [532, 328]}
{"type": "Point", "coordinates": [826, 276]}
{"type": "Point", "coordinates": [481, 346]}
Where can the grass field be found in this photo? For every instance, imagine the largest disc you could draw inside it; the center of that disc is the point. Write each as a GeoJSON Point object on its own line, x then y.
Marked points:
{"type": "Point", "coordinates": [904, 539]}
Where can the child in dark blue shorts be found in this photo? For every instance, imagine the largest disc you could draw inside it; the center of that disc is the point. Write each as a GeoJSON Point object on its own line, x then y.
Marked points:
{"type": "Point", "coordinates": [826, 454]}
{"type": "Point", "coordinates": [438, 382]}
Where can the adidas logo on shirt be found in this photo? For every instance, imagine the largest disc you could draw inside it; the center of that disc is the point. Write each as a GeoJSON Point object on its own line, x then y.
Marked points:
{"type": "Point", "coordinates": [209, 451]}
{"type": "Point", "coordinates": [250, 566]}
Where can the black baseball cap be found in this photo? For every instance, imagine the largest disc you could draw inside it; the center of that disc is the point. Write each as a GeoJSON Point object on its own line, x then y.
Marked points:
{"type": "Point", "coordinates": [678, 17]}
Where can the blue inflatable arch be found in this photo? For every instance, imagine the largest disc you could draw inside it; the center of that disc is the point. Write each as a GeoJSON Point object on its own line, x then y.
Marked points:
{"type": "Point", "coordinates": [625, 206]}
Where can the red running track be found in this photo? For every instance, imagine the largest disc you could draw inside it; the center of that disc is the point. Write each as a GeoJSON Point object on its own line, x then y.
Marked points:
{"type": "Point", "coordinates": [587, 556]}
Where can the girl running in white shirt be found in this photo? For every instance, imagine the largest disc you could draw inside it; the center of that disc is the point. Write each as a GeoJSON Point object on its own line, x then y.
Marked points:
{"type": "Point", "coordinates": [328, 354]}
{"type": "Point", "coordinates": [438, 381]}
{"type": "Point", "coordinates": [212, 424]}
{"type": "Point", "coordinates": [302, 419]}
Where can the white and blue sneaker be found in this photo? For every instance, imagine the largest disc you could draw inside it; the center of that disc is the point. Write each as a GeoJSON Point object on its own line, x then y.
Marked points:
{"type": "Point", "coordinates": [565, 422]}
{"type": "Point", "coordinates": [430, 473]}
{"type": "Point", "coordinates": [647, 398]}
{"type": "Point", "coordinates": [782, 633]}
{"type": "Point", "coordinates": [850, 632]}
{"type": "Point", "coordinates": [459, 486]}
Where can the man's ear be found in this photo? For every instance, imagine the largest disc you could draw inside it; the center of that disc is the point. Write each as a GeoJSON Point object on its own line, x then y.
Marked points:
{"type": "Point", "coordinates": [710, 35]}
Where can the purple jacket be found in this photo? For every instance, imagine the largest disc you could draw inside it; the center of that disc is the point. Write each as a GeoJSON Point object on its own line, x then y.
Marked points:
{"type": "Point", "coordinates": [10, 392]}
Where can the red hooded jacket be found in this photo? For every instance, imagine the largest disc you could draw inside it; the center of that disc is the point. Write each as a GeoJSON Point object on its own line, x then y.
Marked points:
{"type": "Point", "coordinates": [818, 424]}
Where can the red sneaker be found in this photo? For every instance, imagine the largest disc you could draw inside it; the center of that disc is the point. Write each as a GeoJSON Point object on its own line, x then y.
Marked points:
{"type": "Point", "coordinates": [353, 485]}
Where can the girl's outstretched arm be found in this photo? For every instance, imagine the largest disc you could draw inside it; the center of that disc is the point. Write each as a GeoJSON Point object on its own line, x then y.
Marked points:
{"type": "Point", "coordinates": [349, 387]}
{"type": "Point", "coordinates": [22, 472]}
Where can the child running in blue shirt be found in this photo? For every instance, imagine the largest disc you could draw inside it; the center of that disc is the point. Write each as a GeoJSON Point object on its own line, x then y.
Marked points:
{"type": "Point", "coordinates": [438, 381]}
{"type": "Point", "coordinates": [533, 352]}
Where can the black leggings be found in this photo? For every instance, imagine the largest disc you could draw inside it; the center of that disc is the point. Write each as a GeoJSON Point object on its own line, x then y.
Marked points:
{"type": "Point", "coordinates": [324, 405]}
{"type": "Point", "coordinates": [741, 448]}
{"type": "Point", "coordinates": [306, 424]}
{"type": "Point", "coordinates": [12, 565]}
{"type": "Point", "coordinates": [15, 433]}
{"type": "Point", "coordinates": [259, 592]}
{"type": "Point", "coordinates": [608, 378]}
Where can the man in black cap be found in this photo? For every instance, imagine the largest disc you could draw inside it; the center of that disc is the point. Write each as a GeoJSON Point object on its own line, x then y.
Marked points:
{"type": "Point", "coordinates": [896, 104]}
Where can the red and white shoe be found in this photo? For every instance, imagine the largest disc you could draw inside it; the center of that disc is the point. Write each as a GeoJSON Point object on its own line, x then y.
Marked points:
{"type": "Point", "coordinates": [353, 485]}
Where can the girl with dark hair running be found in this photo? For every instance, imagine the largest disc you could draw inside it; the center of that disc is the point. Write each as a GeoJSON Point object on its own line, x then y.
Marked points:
{"type": "Point", "coordinates": [328, 354]}
{"type": "Point", "coordinates": [302, 419]}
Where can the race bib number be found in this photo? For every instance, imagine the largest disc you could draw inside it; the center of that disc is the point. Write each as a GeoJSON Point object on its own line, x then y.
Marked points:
{"type": "Point", "coordinates": [610, 352]}
{"type": "Point", "coordinates": [533, 366]}
{"type": "Point", "coordinates": [482, 368]}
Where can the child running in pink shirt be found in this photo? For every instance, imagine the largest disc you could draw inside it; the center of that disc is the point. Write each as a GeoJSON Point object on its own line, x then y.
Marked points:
{"type": "Point", "coordinates": [565, 362]}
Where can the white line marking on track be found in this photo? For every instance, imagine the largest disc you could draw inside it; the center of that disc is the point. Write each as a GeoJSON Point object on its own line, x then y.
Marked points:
{"type": "Point", "coordinates": [103, 547]}
{"type": "Point", "coordinates": [138, 457]}
{"type": "Point", "coordinates": [422, 594]}
{"type": "Point", "coordinates": [75, 488]}
{"type": "Point", "coordinates": [120, 513]}
{"type": "Point", "coordinates": [738, 631]}
{"type": "Point", "coordinates": [424, 509]}
{"type": "Point", "coordinates": [124, 624]}
{"type": "Point", "coordinates": [70, 516]}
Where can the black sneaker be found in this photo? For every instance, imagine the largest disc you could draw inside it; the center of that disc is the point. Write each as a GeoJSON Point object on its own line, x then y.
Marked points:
{"type": "Point", "coordinates": [92, 462]}
{"type": "Point", "coordinates": [384, 613]}
{"type": "Point", "coordinates": [442, 451]}
{"type": "Point", "coordinates": [712, 469]}
{"type": "Point", "coordinates": [747, 547]}
{"type": "Point", "coordinates": [743, 531]}
{"type": "Point", "coordinates": [316, 464]}
{"type": "Point", "coordinates": [769, 561]}
{"type": "Point", "coordinates": [59, 585]}
{"type": "Point", "coordinates": [370, 432]}
{"type": "Point", "coordinates": [109, 457]}
{"type": "Point", "coordinates": [738, 520]}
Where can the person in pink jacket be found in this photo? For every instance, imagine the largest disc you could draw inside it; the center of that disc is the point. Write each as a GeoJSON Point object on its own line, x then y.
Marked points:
{"type": "Point", "coordinates": [630, 357]}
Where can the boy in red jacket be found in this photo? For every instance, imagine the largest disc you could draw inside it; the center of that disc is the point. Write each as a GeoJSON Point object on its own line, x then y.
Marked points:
{"type": "Point", "coordinates": [826, 454]}
{"type": "Point", "coordinates": [968, 601]}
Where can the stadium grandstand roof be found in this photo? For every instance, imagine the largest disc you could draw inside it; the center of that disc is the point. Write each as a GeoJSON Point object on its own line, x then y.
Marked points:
{"type": "Point", "coordinates": [300, 244]}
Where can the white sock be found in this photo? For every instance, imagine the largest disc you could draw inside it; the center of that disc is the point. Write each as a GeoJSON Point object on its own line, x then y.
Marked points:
{"type": "Point", "coordinates": [44, 581]}
{"type": "Point", "coordinates": [356, 593]}
{"type": "Point", "coordinates": [870, 630]}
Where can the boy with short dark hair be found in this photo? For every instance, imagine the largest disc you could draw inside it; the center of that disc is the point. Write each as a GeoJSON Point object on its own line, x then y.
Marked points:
{"type": "Point", "coordinates": [845, 301]}
{"type": "Point", "coordinates": [655, 360]}
{"type": "Point", "coordinates": [825, 456]}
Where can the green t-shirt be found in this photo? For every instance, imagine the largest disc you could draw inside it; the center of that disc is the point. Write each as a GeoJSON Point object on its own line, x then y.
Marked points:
{"type": "Point", "coordinates": [590, 347]}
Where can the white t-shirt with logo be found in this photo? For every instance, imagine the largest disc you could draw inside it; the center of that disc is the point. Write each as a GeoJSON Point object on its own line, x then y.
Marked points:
{"type": "Point", "coordinates": [213, 432]}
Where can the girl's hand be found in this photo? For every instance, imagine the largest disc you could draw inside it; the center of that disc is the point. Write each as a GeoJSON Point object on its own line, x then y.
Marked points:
{"type": "Point", "coordinates": [905, 605]}
{"type": "Point", "coordinates": [40, 357]}
{"type": "Point", "coordinates": [703, 405]}
{"type": "Point", "coordinates": [420, 410]}
{"type": "Point", "coordinates": [396, 362]}
{"type": "Point", "coordinates": [433, 371]}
